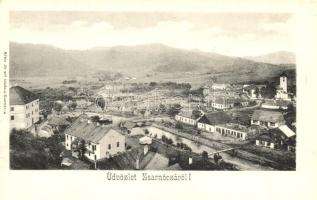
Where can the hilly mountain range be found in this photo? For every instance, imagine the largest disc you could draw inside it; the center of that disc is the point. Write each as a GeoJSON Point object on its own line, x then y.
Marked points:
{"type": "Point", "coordinates": [29, 60]}
{"type": "Point", "coordinates": [277, 58]}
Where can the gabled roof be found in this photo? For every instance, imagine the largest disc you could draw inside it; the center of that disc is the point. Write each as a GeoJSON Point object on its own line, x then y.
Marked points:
{"type": "Point", "coordinates": [215, 118]}
{"type": "Point", "coordinates": [224, 100]}
{"type": "Point", "coordinates": [58, 121]}
{"type": "Point", "coordinates": [188, 113]}
{"type": "Point", "coordinates": [21, 96]}
{"type": "Point", "coordinates": [270, 102]}
{"type": "Point", "coordinates": [283, 74]}
{"type": "Point", "coordinates": [267, 116]}
{"type": "Point", "coordinates": [287, 131]}
{"type": "Point", "coordinates": [158, 162]}
{"type": "Point", "coordinates": [89, 131]}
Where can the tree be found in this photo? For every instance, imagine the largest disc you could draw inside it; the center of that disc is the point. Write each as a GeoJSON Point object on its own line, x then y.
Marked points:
{"type": "Point", "coordinates": [174, 110]}
{"type": "Point", "coordinates": [153, 84]}
{"type": "Point", "coordinates": [204, 155]}
{"type": "Point", "coordinates": [196, 113]}
{"type": "Point", "coordinates": [101, 102]}
{"type": "Point", "coordinates": [95, 118]}
{"type": "Point", "coordinates": [257, 92]}
{"type": "Point", "coordinates": [30, 152]}
{"type": "Point", "coordinates": [58, 107]}
{"type": "Point", "coordinates": [179, 125]}
{"type": "Point", "coordinates": [269, 91]}
{"type": "Point", "coordinates": [162, 108]}
{"type": "Point", "coordinates": [79, 146]}
{"type": "Point", "coordinates": [72, 105]}
{"type": "Point", "coordinates": [142, 111]}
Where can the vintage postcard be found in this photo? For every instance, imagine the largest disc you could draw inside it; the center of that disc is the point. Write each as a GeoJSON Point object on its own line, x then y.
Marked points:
{"type": "Point", "coordinates": [152, 91]}
{"type": "Point", "coordinates": [151, 95]}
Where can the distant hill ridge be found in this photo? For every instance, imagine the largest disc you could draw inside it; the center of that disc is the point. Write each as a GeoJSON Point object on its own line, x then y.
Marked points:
{"type": "Point", "coordinates": [44, 60]}
{"type": "Point", "coordinates": [280, 57]}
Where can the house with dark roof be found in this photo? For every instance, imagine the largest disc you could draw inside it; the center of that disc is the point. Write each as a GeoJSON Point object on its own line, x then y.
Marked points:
{"type": "Point", "coordinates": [267, 118]}
{"type": "Point", "coordinates": [209, 121]}
{"type": "Point", "coordinates": [58, 122]}
{"type": "Point", "coordinates": [24, 108]}
{"type": "Point", "coordinates": [281, 137]}
{"type": "Point", "coordinates": [101, 141]}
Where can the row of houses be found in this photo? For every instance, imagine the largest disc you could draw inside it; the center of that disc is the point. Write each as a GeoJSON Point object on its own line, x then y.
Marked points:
{"type": "Point", "coordinates": [265, 120]}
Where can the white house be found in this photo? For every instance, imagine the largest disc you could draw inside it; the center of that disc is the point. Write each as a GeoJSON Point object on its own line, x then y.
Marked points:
{"type": "Point", "coordinates": [219, 86]}
{"type": "Point", "coordinates": [233, 130]}
{"type": "Point", "coordinates": [222, 103]}
{"type": "Point", "coordinates": [24, 108]}
{"type": "Point", "coordinates": [267, 118]}
{"type": "Point", "coordinates": [186, 116]}
{"type": "Point", "coordinates": [279, 137]}
{"type": "Point", "coordinates": [101, 140]}
{"type": "Point", "coordinates": [209, 121]}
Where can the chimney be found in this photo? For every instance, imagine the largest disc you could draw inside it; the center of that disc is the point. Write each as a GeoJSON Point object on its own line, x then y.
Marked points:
{"type": "Point", "coordinates": [137, 163]}
{"type": "Point", "coordinates": [190, 160]}
{"type": "Point", "coordinates": [145, 149]}
{"type": "Point", "coordinates": [89, 121]}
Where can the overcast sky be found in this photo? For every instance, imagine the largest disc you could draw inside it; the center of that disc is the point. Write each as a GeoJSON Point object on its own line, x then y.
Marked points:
{"type": "Point", "coordinates": [225, 33]}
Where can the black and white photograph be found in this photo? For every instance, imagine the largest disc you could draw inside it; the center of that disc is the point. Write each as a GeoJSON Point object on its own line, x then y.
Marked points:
{"type": "Point", "coordinates": [97, 90]}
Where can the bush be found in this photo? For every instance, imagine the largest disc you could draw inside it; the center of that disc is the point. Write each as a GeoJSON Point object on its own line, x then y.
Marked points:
{"type": "Point", "coordinates": [179, 125]}
{"type": "Point", "coordinates": [29, 152]}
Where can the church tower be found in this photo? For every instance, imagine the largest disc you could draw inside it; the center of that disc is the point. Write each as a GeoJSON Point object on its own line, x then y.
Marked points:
{"type": "Point", "coordinates": [283, 81]}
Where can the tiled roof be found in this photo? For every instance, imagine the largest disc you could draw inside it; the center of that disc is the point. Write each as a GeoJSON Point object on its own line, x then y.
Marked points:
{"type": "Point", "coordinates": [188, 113]}
{"type": "Point", "coordinates": [269, 102]}
{"type": "Point", "coordinates": [21, 96]}
{"type": "Point", "coordinates": [267, 116]}
{"type": "Point", "coordinates": [237, 127]}
{"type": "Point", "coordinates": [283, 74]}
{"type": "Point", "coordinates": [287, 131]}
{"type": "Point", "coordinates": [223, 100]}
{"type": "Point", "coordinates": [57, 121]}
{"type": "Point", "coordinates": [158, 162]}
{"type": "Point", "coordinates": [216, 118]}
{"type": "Point", "coordinates": [88, 131]}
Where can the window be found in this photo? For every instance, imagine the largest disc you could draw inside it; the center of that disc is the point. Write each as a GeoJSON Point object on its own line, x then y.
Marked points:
{"type": "Point", "coordinates": [118, 144]}
{"type": "Point", "coordinates": [12, 109]}
{"type": "Point", "coordinates": [12, 117]}
{"type": "Point", "coordinates": [93, 147]}
{"type": "Point", "coordinates": [272, 124]}
{"type": "Point", "coordinates": [109, 146]}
